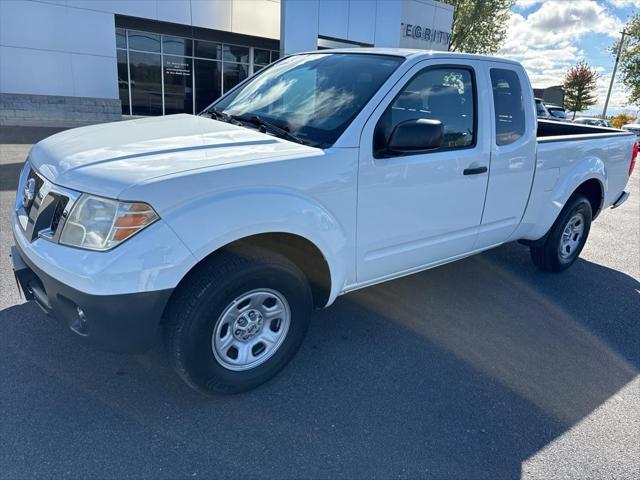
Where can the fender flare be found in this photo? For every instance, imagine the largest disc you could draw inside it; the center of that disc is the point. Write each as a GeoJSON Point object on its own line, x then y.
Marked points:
{"type": "Point", "coordinates": [537, 223]}
{"type": "Point", "coordinates": [227, 217]}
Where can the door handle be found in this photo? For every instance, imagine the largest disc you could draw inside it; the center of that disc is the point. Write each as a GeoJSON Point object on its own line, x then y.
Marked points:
{"type": "Point", "coordinates": [474, 171]}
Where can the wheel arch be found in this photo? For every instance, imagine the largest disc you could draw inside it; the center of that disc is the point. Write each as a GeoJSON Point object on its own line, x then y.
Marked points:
{"type": "Point", "coordinates": [591, 186]}
{"type": "Point", "coordinates": [593, 190]}
{"type": "Point", "coordinates": [588, 177]}
{"type": "Point", "coordinates": [302, 252]}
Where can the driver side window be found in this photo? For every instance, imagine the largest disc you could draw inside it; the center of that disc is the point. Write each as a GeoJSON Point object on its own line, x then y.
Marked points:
{"type": "Point", "coordinates": [446, 94]}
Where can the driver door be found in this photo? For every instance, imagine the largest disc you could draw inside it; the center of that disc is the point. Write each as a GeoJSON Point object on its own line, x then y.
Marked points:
{"type": "Point", "coordinates": [421, 208]}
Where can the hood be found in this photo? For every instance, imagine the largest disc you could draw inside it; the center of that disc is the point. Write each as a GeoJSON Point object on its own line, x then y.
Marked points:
{"type": "Point", "coordinates": [106, 159]}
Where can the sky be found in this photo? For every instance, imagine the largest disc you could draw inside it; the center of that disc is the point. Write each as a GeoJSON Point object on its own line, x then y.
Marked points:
{"type": "Point", "coordinates": [550, 36]}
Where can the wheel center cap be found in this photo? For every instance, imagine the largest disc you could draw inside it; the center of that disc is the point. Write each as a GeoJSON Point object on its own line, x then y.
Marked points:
{"type": "Point", "coordinates": [248, 325]}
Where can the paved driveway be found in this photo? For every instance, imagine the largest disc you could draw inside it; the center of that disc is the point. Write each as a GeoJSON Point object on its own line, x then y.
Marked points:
{"type": "Point", "coordinates": [485, 368]}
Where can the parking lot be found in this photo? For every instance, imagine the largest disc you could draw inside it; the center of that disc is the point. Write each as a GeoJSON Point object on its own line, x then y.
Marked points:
{"type": "Point", "coordinates": [484, 368]}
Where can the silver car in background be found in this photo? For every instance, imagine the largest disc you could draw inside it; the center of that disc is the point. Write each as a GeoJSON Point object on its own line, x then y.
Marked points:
{"type": "Point", "coordinates": [593, 121]}
{"type": "Point", "coordinates": [633, 128]}
{"type": "Point", "coordinates": [557, 113]}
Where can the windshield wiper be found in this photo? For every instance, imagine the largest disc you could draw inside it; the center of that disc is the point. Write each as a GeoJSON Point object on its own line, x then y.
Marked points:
{"type": "Point", "coordinates": [220, 115]}
{"type": "Point", "coordinates": [266, 126]}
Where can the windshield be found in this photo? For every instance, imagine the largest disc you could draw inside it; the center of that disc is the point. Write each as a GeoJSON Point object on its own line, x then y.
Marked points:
{"type": "Point", "coordinates": [312, 96]}
{"type": "Point", "coordinates": [541, 109]}
{"type": "Point", "coordinates": [556, 112]}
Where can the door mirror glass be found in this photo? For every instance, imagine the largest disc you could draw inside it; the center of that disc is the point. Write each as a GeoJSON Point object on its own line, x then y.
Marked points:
{"type": "Point", "coordinates": [412, 136]}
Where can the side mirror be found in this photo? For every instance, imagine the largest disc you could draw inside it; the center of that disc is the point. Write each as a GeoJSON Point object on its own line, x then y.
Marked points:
{"type": "Point", "coordinates": [412, 136]}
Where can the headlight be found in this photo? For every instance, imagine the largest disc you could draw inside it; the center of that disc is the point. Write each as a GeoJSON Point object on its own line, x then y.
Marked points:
{"type": "Point", "coordinates": [97, 223]}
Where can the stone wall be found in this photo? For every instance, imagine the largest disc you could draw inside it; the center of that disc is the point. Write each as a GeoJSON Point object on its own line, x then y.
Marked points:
{"type": "Point", "coordinates": [57, 111]}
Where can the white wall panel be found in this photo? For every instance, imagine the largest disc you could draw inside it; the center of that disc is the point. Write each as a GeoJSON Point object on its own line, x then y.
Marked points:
{"type": "Point", "coordinates": [362, 21]}
{"type": "Point", "coordinates": [215, 14]}
{"type": "Point", "coordinates": [38, 72]}
{"type": "Point", "coordinates": [133, 8]}
{"type": "Point", "coordinates": [260, 18]}
{"type": "Point", "coordinates": [429, 16]}
{"type": "Point", "coordinates": [94, 76]}
{"type": "Point", "coordinates": [443, 17]}
{"type": "Point", "coordinates": [299, 26]}
{"type": "Point", "coordinates": [388, 19]}
{"type": "Point", "coordinates": [174, 11]}
{"type": "Point", "coordinates": [32, 25]}
{"type": "Point", "coordinates": [333, 19]}
{"type": "Point", "coordinates": [89, 32]}
{"type": "Point", "coordinates": [57, 2]}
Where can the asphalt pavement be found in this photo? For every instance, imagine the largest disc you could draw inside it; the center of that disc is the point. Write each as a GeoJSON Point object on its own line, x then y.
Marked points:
{"type": "Point", "coordinates": [482, 369]}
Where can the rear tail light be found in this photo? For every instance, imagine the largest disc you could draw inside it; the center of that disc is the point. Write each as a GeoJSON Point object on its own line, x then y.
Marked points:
{"type": "Point", "coordinates": [634, 155]}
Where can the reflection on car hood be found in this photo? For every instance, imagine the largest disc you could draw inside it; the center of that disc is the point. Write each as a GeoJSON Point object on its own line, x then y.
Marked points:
{"type": "Point", "coordinates": [106, 159]}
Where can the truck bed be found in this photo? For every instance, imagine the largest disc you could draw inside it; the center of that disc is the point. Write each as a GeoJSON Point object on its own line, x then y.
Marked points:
{"type": "Point", "coordinates": [549, 128]}
{"type": "Point", "coordinates": [564, 151]}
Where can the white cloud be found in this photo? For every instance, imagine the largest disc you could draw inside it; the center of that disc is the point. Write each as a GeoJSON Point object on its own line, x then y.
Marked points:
{"type": "Point", "coordinates": [546, 40]}
{"type": "Point", "coordinates": [559, 23]}
{"type": "Point", "coordinates": [524, 4]}
{"type": "Point", "coordinates": [624, 3]}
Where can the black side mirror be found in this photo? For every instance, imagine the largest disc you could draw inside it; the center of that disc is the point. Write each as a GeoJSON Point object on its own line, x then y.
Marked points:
{"type": "Point", "coordinates": [413, 136]}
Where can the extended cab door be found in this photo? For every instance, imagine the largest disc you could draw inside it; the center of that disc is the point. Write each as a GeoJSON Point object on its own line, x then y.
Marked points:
{"type": "Point", "coordinates": [422, 208]}
{"type": "Point", "coordinates": [513, 152]}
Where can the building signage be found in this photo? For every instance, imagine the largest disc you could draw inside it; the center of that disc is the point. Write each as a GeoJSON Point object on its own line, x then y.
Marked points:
{"type": "Point", "coordinates": [425, 33]}
{"type": "Point", "coordinates": [173, 67]}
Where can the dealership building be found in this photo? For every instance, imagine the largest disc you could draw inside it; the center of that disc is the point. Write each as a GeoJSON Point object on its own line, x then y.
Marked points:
{"type": "Point", "coordinates": [75, 62]}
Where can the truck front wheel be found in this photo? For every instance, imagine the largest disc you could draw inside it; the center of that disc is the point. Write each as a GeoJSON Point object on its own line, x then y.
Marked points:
{"type": "Point", "coordinates": [562, 245]}
{"type": "Point", "coordinates": [237, 321]}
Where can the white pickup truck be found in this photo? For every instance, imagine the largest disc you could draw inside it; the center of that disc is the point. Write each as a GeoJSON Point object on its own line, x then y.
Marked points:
{"type": "Point", "coordinates": [321, 174]}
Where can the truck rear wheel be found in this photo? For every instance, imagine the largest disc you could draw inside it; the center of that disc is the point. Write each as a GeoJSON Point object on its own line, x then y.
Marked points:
{"type": "Point", "coordinates": [562, 245]}
{"type": "Point", "coordinates": [237, 321]}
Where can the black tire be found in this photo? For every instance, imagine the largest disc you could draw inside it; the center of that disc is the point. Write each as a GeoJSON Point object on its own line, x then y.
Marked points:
{"type": "Point", "coordinates": [201, 299]}
{"type": "Point", "coordinates": [546, 252]}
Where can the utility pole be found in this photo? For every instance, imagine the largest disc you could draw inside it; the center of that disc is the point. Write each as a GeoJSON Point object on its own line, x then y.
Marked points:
{"type": "Point", "coordinates": [613, 74]}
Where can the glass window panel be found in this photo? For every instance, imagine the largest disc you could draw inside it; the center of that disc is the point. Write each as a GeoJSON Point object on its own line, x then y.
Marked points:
{"type": "Point", "coordinates": [146, 83]}
{"type": "Point", "coordinates": [257, 68]}
{"type": "Point", "coordinates": [123, 81]}
{"type": "Point", "coordinates": [315, 96]}
{"type": "Point", "coordinates": [208, 82]}
{"type": "Point", "coordinates": [508, 105]}
{"type": "Point", "coordinates": [178, 85]}
{"type": "Point", "coordinates": [208, 49]}
{"type": "Point", "coordinates": [444, 94]}
{"type": "Point", "coordinates": [233, 53]}
{"type": "Point", "coordinates": [148, 42]}
{"type": "Point", "coordinates": [177, 45]}
{"type": "Point", "coordinates": [233, 74]}
{"type": "Point", "coordinates": [261, 57]}
{"type": "Point", "coordinates": [274, 55]}
{"type": "Point", "coordinates": [121, 39]}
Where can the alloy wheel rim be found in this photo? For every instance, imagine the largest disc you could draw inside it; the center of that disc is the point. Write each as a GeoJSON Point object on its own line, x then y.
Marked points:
{"type": "Point", "coordinates": [571, 236]}
{"type": "Point", "coordinates": [251, 329]}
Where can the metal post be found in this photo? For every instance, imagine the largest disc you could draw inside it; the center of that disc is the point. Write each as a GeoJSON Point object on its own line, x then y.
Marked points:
{"type": "Point", "coordinates": [613, 74]}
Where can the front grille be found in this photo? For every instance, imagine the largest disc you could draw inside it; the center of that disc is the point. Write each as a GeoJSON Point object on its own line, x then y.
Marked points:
{"type": "Point", "coordinates": [57, 213]}
{"type": "Point", "coordinates": [44, 215]}
{"type": "Point", "coordinates": [38, 185]}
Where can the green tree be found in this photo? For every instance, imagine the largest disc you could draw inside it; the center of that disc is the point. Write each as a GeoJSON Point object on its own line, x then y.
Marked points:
{"type": "Point", "coordinates": [479, 26]}
{"type": "Point", "coordinates": [579, 88]}
{"type": "Point", "coordinates": [630, 60]}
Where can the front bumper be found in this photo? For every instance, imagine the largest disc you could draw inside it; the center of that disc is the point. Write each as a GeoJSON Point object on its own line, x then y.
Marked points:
{"type": "Point", "coordinates": [122, 322]}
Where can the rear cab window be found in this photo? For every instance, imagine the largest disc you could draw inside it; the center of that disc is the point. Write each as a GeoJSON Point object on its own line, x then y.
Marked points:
{"type": "Point", "coordinates": [508, 103]}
